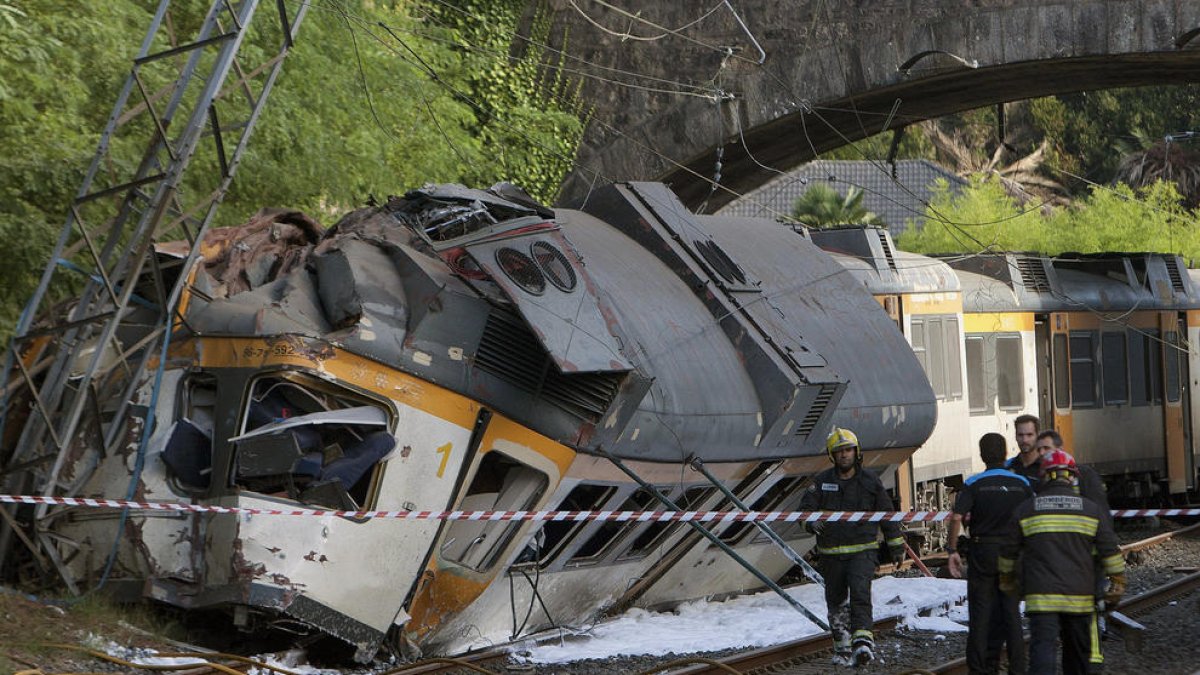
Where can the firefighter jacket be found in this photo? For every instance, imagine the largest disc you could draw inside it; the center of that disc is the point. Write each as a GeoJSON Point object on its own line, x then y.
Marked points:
{"type": "Point", "coordinates": [861, 492]}
{"type": "Point", "coordinates": [1057, 536]}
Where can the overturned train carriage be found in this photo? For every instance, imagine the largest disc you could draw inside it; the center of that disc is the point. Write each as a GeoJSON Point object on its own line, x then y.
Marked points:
{"type": "Point", "coordinates": [473, 350]}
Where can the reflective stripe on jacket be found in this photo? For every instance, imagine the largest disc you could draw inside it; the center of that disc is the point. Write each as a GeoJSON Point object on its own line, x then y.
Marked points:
{"type": "Point", "coordinates": [1056, 536]}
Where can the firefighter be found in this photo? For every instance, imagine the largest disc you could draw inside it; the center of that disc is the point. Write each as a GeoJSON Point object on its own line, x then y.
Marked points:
{"type": "Point", "coordinates": [987, 503]}
{"type": "Point", "coordinates": [848, 551]}
{"type": "Point", "coordinates": [1090, 485]}
{"type": "Point", "coordinates": [1055, 539]}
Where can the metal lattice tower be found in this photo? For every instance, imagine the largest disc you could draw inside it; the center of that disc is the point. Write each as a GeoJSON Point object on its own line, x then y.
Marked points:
{"type": "Point", "coordinates": [166, 157]}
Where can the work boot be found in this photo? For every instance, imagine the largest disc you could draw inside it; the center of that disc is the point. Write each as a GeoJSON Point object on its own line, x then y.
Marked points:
{"type": "Point", "coordinates": [843, 657]}
{"type": "Point", "coordinates": [842, 653]}
{"type": "Point", "coordinates": [863, 647]}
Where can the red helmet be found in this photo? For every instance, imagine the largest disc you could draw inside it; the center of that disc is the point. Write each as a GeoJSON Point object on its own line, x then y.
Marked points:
{"type": "Point", "coordinates": [1058, 465]}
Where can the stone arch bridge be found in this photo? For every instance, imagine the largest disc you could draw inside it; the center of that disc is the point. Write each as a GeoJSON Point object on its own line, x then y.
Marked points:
{"type": "Point", "coordinates": [764, 85]}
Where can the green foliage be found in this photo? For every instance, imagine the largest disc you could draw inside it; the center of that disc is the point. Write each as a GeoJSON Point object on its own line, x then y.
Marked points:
{"type": "Point", "coordinates": [980, 215]}
{"type": "Point", "coordinates": [528, 116]}
{"type": "Point", "coordinates": [61, 64]}
{"type": "Point", "coordinates": [983, 216]}
{"type": "Point", "coordinates": [823, 206]}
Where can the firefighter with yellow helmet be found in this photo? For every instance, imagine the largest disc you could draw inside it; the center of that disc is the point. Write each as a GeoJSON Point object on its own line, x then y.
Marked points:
{"type": "Point", "coordinates": [849, 550]}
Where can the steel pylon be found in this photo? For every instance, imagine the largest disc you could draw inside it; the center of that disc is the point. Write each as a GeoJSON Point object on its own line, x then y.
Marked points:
{"type": "Point", "coordinates": [107, 300]}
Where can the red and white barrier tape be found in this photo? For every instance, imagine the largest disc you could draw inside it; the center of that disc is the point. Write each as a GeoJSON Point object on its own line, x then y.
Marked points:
{"type": "Point", "coordinates": [700, 516]}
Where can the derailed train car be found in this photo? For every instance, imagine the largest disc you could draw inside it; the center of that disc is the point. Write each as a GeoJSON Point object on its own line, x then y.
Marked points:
{"type": "Point", "coordinates": [473, 350]}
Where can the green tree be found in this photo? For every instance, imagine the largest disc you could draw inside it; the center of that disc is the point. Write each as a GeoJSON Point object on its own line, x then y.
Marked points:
{"type": "Point", "coordinates": [983, 216]}
{"type": "Point", "coordinates": [823, 206]}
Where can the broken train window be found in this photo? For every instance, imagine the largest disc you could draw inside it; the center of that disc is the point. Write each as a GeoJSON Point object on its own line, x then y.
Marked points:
{"type": "Point", "coordinates": [501, 483]}
{"type": "Point", "coordinates": [312, 440]}
{"type": "Point", "coordinates": [188, 450]}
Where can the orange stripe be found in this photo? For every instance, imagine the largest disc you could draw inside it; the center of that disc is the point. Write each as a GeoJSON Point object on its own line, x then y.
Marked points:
{"type": "Point", "coordinates": [359, 371]}
{"type": "Point", "coordinates": [997, 322]}
{"type": "Point", "coordinates": [933, 303]}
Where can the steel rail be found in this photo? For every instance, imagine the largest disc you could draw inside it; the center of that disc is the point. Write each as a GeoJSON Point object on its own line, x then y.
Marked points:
{"type": "Point", "coordinates": [1138, 604]}
{"type": "Point", "coordinates": [775, 655]}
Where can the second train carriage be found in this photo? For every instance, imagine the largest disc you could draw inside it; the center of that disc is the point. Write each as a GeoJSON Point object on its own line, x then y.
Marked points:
{"type": "Point", "coordinates": [1113, 361]}
{"type": "Point", "coordinates": [471, 350]}
{"type": "Point", "coordinates": [1100, 347]}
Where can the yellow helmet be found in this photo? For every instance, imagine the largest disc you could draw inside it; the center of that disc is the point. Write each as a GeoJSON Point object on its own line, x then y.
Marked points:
{"type": "Point", "coordinates": [841, 438]}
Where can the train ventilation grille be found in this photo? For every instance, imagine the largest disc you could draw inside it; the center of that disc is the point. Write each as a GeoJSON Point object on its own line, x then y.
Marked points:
{"type": "Point", "coordinates": [817, 410]}
{"type": "Point", "coordinates": [1033, 274]}
{"type": "Point", "coordinates": [512, 353]}
{"type": "Point", "coordinates": [1176, 276]}
{"type": "Point", "coordinates": [887, 248]}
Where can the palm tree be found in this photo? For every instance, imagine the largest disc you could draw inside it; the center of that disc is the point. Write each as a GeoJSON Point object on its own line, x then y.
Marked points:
{"type": "Point", "coordinates": [1165, 160]}
{"type": "Point", "coordinates": [1022, 179]}
{"type": "Point", "coordinates": [822, 206]}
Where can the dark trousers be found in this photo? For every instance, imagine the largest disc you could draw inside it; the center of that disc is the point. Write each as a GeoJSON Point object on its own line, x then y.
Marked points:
{"type": "Point", "coordinates": [849, 575]}
{"type": "Point", "coordinates": [995, 617]}
{"type": "Point", "coordinates": [1081, 653]}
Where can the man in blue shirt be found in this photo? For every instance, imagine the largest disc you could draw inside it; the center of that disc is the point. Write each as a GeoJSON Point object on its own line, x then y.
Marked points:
{"type": "Point", "coordinates": [986, 504]}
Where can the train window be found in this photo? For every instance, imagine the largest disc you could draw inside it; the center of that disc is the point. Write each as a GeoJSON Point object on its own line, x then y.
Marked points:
{"type": "Point", "coordinates": [954, 386]}
{"type": "Point", "coordinates": [1171, 355]}
{"type": "Point", "coordinates": [1083, 369]}
{"type": "Point", "coordinates": [937, 365]}
{"type": "Point", "coordinates": [769, 500]}
{"type": "Point", "coordinates": [1010, 372]}
{"type": "Point", "coordinates": [935, 342]}
{"type": "Point", "coordinates": [500, 484]}
{"type": "Point", "coordinates": [607, 532]}
{"type": "Point", "coordinates": [977, 380]}
{"type": "Point", "coordinates": [1062, 373]}
{"type": "Point", "coordinates": [657, 532]}
{"type": "Point", "coordinates": [556, 534]}
{"type": "Point", "coordinates": [1145, 369]}
{"type": "Point", "coordinates": [917, 339]}
{"type": "Point", "coordinates": [793, 529]}
{"type": "Point", "coordinates": [1114, 368]}
{"type": "Point", "coordinates": [1154, 366]}
{"type": "Point", "coordinates": [188, 450]}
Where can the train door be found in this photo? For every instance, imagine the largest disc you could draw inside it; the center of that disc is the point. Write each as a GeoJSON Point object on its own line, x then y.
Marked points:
{"type": "Point", "coordinates": [1173, 404]}
{"type": "Point", "coordinates": [1059, 419]}
{"type": "Point", "coordinates": [1043, 371]}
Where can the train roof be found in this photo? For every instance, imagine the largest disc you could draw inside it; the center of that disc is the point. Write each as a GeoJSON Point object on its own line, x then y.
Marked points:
{"type": "Point", "coordinates": [1074, 281]}
{"type": "Point", "coordinates": [871, 257]}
